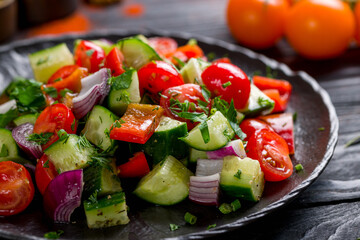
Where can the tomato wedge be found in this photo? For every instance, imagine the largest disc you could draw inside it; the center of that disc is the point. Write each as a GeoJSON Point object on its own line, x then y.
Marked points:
{"type": "Point", "coordinates": [45, 172]}
{"type": "Point", "coordinates": [114, 61]}
{"type": "Point", "coordinates": [52, 119]}
{"type": "Point", "coordinates": [251, 125]}
{"type": "Point", "coordinates": [89, 55]}
{"type": "Point", "coordinates": [136, 167]}
{"type": "Point", "coordinates": [138, 123]}
{"type": "Point", "coordinates": [163, 45]}
{"type": "Point", "coordinates": [272, 152]}
{"type": "Point", "coordinates": [17, 189]}
{"type": "Point", "coordinates": [62, 73]}
{"type": "Point", "coordinates": [280, 102]}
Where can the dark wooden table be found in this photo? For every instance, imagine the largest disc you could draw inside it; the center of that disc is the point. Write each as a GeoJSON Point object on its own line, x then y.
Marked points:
{"type": "Point", "coordinates": [329, 208]}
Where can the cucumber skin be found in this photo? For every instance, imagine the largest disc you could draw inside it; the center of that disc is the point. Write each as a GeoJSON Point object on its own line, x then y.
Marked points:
{"type": "Point", "coordinates": [7, 139]}
{"type": "Point", "coordinates": [28, 118]}
{"type": "Point", "coordinates": [253, 108]}
{"type": "Point", "coordinates": [167, 184]}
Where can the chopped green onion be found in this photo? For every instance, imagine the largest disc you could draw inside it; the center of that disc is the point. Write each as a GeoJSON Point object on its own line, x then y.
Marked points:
{"type": "Point", "coordinates": [211, 226]}
{"type": "Point", "coordinates": [53, 235]}
{"type": "Point", "coordinates": [189, 218]}
{"type": "Point", "coordinates": [321, 128]}
{"type": "Point", "coordinates": [225, 208]}
{"type": "Point", "coordinates": [353, 141]}
{"type": "Point", "coordinates": [173, 227]}
{"type": "Point", "coordinates": [299, 167]}
{"type": "Point", "coordinates": [235, 205]}
{"type": "Point", "coordinates": [225, 85]}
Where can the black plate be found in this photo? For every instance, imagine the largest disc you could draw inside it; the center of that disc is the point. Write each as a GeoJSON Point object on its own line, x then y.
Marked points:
{"type": "Point", "coordinates": [314, 149]}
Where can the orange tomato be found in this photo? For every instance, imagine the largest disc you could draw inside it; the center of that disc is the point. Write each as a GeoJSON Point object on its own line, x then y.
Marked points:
{"type": "Point", "coordinates": [357, 18]}
{"type": "Point", "coordinates": [319, 29]}
{"type": "Point", "coordinates": [257, 24]}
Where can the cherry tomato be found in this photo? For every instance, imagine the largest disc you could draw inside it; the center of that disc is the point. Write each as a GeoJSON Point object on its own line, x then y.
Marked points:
{"type": "Point", "coordinates": [229, 82]}
{"type": "Point", "coordinates": [62, 73]}
{"type": "Point", "coordinates": [17, 189]}
{"type": "Point", "coordinates": [191, 51]}
{"type": "Point", "coordinates": [157, 76]}
{"type": "Point", "coordinates": [187, 92]}
{"type": "Point", "coordinates": [89, 55]}
{"type": "Point", "coordinates": [222, 60]}
{"type": "Point", "coordinates": [45, 172]}
{"type": "Point", "coordinates": [272, 152]}
{"type": "Point", "coordinates": [257, 24]}
{"type": "Point", "coordinates": [163, 45]}
{"type": "Point", "coordinates": [250, 126]}
{"type": "Point", "coordinates": [52, 119]}
{"type": "Point", "coordinates": [114, 61]}
{"type": "Point", "coordinates": [357, 19]}
{"type": "Point", "coordinates": [320, 29]}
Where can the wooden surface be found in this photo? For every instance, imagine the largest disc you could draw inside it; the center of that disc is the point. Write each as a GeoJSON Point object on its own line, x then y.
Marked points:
{"type": "Point", "coordinates": [328, 209]}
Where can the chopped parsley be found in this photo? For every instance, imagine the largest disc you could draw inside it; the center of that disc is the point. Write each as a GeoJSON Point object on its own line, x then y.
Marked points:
{"type": "Point", "coordinates": [179, 62]}
{"type": "Point", "coordinates": [173, 227]}
{"type": "Point", "coordinates": [53, 235]}
{"type": "Point", "coordinates": [57, 80]}
{"type": "Point", "coordinates": [63, 136]}
{"type": "Point", "coordinates": [211, 226]}
{"type": "Point", "coordinates": [4, 151]}
{"type": "Point", "coordinates": [41, 139]}
{"type": "Point", "coordinates": [46, 164]}
{"type": "Point", "coordinates": [238, 174]}
{"type": "Point", "coordinates": [263, 102]}
{"type": "Point", "coordinates": [89, 52]}
{"type": "Point", "coordinates": [42, 60]}
{"type": "Point", "coordinates": [225, 85]}
{"type": "Point", "coordinates": [270, 73]}
{"type": "Point", "coordinates": [73, 124]}
{"type": "Point", "coordinates": [93, 197]}
{"type": "Point", "coordinates": [51, 91]}
{"type": "Point", "coordinates": [6, 118]}
{"type": "Point", "coordinates": [205, 92]}
{"type": "Point", "coordinates": [122, 81]}
{"type": "Point", "coordinates": [64, 91]}
{"type": "Point", "coordinates": [299, 167]}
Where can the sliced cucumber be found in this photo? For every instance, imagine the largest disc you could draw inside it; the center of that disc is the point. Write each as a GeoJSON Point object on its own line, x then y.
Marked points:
{"type": "Point", "coordinates": [97, 127]}
{"type": "Point", "coordinates": [136, 52]}
{"type": "Point", "coordinates": [196, 154]}
{"type": "Point", "coordinates": [8, 146]}
{"type": "Point", "coordinates": [107, 211]}
{"type": "Point", "coordinates": [220, 134]}
{"type": "Point", "coordinates": [166, 184]}
{"type": "Point", "coordinates": [165, 141]}
{"type": "Point", "coordinates": [27, 118]}
{"type": "Point", "coordinates": [101, 179]}
{"type": "Point", "coordinates": [242, 178]}
{"type": "Point", "coordinates": [258, 103]}
{"type": "Point", "coordinates": [119, 99]}
{"type": "Point", "coordinates": [107, 47]}
{"type": "Point", "coordinates": [69, 153]}
{"type": "Point", "coordinates": [192, 70]}
{"type": "Point", "coordinates": [47, 61]}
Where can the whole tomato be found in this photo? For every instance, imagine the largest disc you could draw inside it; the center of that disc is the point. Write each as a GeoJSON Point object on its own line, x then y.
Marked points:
{"type": "Point", "coordinates": [357, 18]}
{"type": "Point", "coordinates": [319, 29]}
{"type": "Point", "coordinates": [257, 24]}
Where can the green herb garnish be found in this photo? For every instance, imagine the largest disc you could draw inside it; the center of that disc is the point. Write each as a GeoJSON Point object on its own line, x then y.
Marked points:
{"type": "Point", "coordinates": [41, 139]}
{"type": "Point", "coordinates": [53, 235]}
{"type": "Point", "coordinates": [353, 141]}
{"type": "Point", "coordinates": [51, 91]}
{"type": "Point", "coordinates": [42, 60]}
{"type": "Point", "coordinates": [73, 124]}
{"type": "Point", "coordinates": [89, 52]}
{"type": "Point", "coordinates": [211, 226]}
{"type": "Point", "coordinates": [321, 129]}
{"type": "Point", "coordinates": [235, 205]}
{"type": "Point", "coordinates": [64, 91]}
{"type": "Point", "coordinates": [122, 81]}
{"type": "Point", "coordinates": [179, 62]}
{"type": "Point", "coordinates": [238, 174]}
{"type": "Point", "coordinates": [225, 85]}
{"type": "Point", "coordinates": [225, 208]}
{"type": "Point", "coordinates": [189, 218]}
{"type": "Point", "coordinates": [173, 227]}
{"type": "Point", "coordinates": [46, 164]}
{"type": "Point", "coordinates": [299, 167]}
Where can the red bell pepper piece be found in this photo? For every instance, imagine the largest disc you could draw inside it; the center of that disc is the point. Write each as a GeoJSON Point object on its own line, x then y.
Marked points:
{"type": "Point", "coordinates": [114, 61]}
{"type": "Point", "coordinates": [136, 167]}
{"type": "Point", "coordinates": [138, 123]}
{"type": "Point", "coordinates": [280, 102]}
{"type": "Point", "coordinates": [283, 125]}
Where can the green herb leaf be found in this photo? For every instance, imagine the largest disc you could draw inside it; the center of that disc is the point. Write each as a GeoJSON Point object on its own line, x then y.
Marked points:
{"type": "Point", "coordinates": [189, 218]}
{"type": "Point", "coordinates": [205, 92]}
{"type": "Point", "coordinates": [51, 91]}
{"type": "Point", "coordinates": [93, 197]}
{"type": "Point", "coordinates": [73, 124]}
{"type": "Point", "coordinates": [263, 102]}
{"type": "Point", "coordinates": [238, 174]}
{"type": "Point", "coordinates": [4, 151]}
{"type": "Point", "coordinates": [83, 143]}
{"type": "Point", "coordinates": [299, 167]}
{"type": "Point", "coordinates": [63, 136]}
{"type": "Point", "coordinates": [173, 227]}
{"type": "Point", "coordinates": [124, 96]}
{"type": "Point", "coordinates": [46, 164]}
{"type": "Point", "coordinates": [204, 129]}
{"type": "Point", "coordinates": [57, 80]}
{"type": "Point", "coordinates": [179, 62]}
{"type": "Point", "coordinates": [225, 85]}
{"type": "Point", "coordinates": [122, 81]}
{"type": "Point", "coordinates": [41, 139]}
{"type": "Point", "coordinates": [42, 60]}
{"type": "Point", "coordinates": [90, 52]}
{"type": "Point", "coordinates": [64, 91]}
{"type": "Point", "coordinates": [211, 226]}
{"type": "Point", "coordinates": [53, 235]}
{"type": "Point", "coordinates": [270, 73]}
{"type": "Point", "coordinates": [6, 118]}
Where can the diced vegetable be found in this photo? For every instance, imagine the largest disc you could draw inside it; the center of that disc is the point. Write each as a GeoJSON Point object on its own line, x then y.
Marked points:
{"type": "Point", "coordinates": [258, 103]}
{"type": "Point", "coordinates": [8, 147]}
{"type": "Point", "coordinates": [27, 118]}
{"type": "Point", "coordinates": [196, 154]}
{"type": "Point", "coordinates": [233, 148]}
{"type": "Point", "coordinates": [207, 167]}
{"type": "Point", "coordinates": [137, 166]}
{"type": "Point", "coordinates": [205, 190]}
{"type": "Point", "coordinates": [192, 70]}
{"type": "Point", "coordinates": [20, 135]}
{"type": "Point", "coordinates": [45, 172]}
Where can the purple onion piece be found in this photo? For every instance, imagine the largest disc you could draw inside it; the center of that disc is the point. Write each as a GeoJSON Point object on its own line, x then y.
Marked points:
{"type": "Point", "coordinates": [94, 89]}
{"type": "Point", "coordinates": [233, 148]}
{"type": "Point", "coordinates": [20, 134]}
{"type": "Point", "coordinates": [206, 167]}
{"type": "Point", "coordinates": [63, 195]}
{"type": "Point", "coordinates": [205, 190]}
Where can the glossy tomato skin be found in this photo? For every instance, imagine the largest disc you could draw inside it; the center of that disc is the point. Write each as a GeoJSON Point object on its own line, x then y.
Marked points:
{"type": "Point", "coordinates": [157, 76]}
{"type": "Point", "coordinates": [44, 172]}
{"type": "Point", "coordinates": [217, 75]}
{"type": "Point", "coordinates": [17, 189]}
{"type": "Point", "coordinates": [320, 29]}
{"type": "Point", "coordinates": [137, 166]}
{"type": "Point", "coordinates": [62, 73]}
{"type": "Point", "coordinates": [250, 125]}
{"type": "Point", "coordinates": [52, 119]}
{"type": "Point", "coordinates": [257, 24]}
{"type": "Point", "coordinates": [114, 61]}
{"type": "Point", "coordinates": [272, 152]}
{"type": "Point", "coordinates": [357, 19]}
{"type": "Point", "coordinates": [89, 55]}
{"type": "Point", "coordinates": [190, 92]}
{"type": "Point", "coordinates": [163, 45]}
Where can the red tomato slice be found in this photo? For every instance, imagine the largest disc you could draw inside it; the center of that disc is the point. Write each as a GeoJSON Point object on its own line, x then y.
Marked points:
{"type": "Point", "coordinates": [283, 125]}
{"type": "Point", "coordinates": [187, 92]}
{"type": "Point", "coordinates": [272, 152]}
{"type": "Point", "coordinates": [250, 126]}
{"type": "Point", "coordinates": [280, 102]}
{"type": "Point", "coordinates": [137, 124]}
{"type": "Point", "coordinates": [114, 61]}
{"type": "Point", "coordinates": [163, 45]}
{"type": "Point", "coordinates": [17, 189]}
{"type": "Point", "coordinates": [229, 82]}
{"type": "Point", "coordinates": [157, 76]}
{"type": "Point", "coordinates": [89, 55]}
{"type": "Point", "coordinates": [62, 73]}
{"type": "Point", "coordinates": [45, 172]}
{"type": "Point", "coordinates": [52, 119]}
{"type": "Point", "coordinates": [136, 167]}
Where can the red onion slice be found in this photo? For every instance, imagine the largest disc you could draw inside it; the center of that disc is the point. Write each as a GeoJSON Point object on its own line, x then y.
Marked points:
{"type": "Point", "coordinates": [205, 190]}
{"type": "Point", "coordinates": [206, 167]}
{"type": "Point", "coordinates": [94, 89]}
{"type": "Point", "coordinates": [233, 148]}
{"type": "Point", "coordinates": [63, 195]}
{"type": "Point", "coordinates": [20, 135]}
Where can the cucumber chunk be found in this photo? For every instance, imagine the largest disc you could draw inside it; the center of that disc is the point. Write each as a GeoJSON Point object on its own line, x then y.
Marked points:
{"type": "Point", "coordinates": [107, 211]}
{"type": "Point", "coordinates": [8, 146]}
{"type": "Point", "coordinates": [192, 70]}
{"type": "Point", "coordinates": [220, 134]}
{"type": "Point", "coordinates": [165, 141]}
{"type": "Point", "coordinates": [166, 184]}
{"type": "Point", "coordinates": [69, 153]}
{"type": "Point", "coordinates": [242, 178]}
{"type": "Point", "coordinates": [258, 103]}
{"type": "Point", "coordinates": [196, 154]}
{"type": "Point", "coordinates": [27, 118]}
{"type": "Point", "coordinates": [119, 99]}
{"type": "Point", "coordinates": [136, 52]}
{"type": "Point", "coordinates": [47, 61]}
{"type": "Point", "coordinates": [101, 179]}
{"type": "Point", "coordinates": [98, 126]}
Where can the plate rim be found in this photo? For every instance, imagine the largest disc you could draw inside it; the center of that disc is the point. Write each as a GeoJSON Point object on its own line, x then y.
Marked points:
{"type": "Point", "coordinates": [274, 64]}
